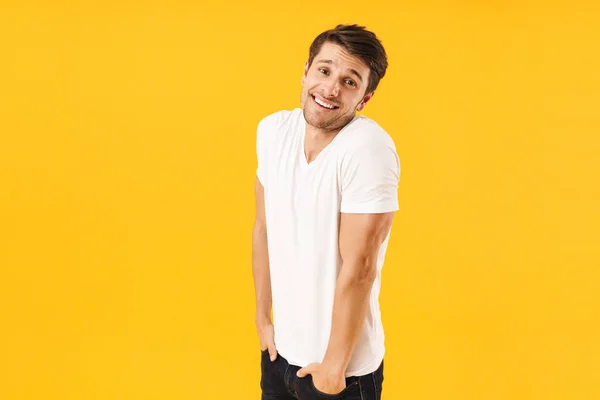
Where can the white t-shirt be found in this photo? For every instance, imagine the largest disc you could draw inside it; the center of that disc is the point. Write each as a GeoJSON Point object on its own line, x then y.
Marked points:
{"type": "Point", "coordinates": [358, 172]}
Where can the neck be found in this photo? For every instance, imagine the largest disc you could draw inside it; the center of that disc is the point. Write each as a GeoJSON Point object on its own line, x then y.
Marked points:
{"type": "Point", "coordinates": [320, 135]}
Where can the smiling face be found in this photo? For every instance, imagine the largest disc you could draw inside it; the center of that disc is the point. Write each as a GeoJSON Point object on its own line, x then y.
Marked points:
{"type": "Point", "coordinates": [333, 88]}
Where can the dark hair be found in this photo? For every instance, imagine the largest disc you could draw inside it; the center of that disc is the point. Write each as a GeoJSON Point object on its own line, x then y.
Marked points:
{"type": "Point", "coordinates": [359, 42]}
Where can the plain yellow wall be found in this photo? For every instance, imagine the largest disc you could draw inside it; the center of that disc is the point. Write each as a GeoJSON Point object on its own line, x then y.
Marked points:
{"type": "Point", "coordinates": [126, 194]}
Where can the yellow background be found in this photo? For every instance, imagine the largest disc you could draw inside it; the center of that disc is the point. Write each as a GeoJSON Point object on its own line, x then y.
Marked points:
{"type": "Point", "coordinates": [126, 194]}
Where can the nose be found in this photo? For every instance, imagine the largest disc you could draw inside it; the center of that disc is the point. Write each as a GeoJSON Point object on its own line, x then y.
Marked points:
{"type": "Point", "coordinates": [331, 89]}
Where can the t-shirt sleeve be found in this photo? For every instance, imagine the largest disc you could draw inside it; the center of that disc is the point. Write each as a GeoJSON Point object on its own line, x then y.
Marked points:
{"type": "Point", "coordinates": [370, 175]}
{"type": "Point", "coordinates": [264, 131]}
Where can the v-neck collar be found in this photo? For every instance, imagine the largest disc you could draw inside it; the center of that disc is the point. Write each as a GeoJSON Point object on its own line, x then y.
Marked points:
{"type": "Point", "coordinates": [303, 160]}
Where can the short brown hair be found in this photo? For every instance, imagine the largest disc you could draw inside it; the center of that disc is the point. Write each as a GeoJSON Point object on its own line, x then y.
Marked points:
{"type": "Point", "coordinates": [359, 42]}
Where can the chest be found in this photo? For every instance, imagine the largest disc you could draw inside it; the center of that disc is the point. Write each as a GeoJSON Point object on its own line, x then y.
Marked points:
{"type": "Point", "coordinates": [299, 185]}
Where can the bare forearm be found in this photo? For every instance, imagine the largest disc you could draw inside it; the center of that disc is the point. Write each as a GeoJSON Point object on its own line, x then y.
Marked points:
{"type": "Point", "coordinates": [261, 274]}
{"type": "Point", "coordinates": [351, 301]}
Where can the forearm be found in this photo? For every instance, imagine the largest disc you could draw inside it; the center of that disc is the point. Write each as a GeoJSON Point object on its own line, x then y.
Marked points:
{"type": "Point", "coordinates": [261, 274]}
{"type": "Point", "coordinates": [351, 302]}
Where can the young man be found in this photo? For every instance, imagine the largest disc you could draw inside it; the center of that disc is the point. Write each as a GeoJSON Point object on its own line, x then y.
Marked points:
{"type": "Point", "coordinates": [326, 192]}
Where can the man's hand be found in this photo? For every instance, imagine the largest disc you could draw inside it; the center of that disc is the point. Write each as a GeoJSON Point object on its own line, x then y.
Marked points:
{"type": "Point", "coordinates": [266, 337]}
{"type": "Point", "coordinates": [324, 380]}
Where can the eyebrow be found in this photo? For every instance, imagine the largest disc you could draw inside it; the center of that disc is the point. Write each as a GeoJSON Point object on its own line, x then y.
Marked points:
{"type": "Point", "coordinates": [351, 70]}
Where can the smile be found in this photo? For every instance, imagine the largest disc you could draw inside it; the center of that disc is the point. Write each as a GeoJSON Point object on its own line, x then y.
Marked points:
{"type": "Point", "coordinates": [324, 104]}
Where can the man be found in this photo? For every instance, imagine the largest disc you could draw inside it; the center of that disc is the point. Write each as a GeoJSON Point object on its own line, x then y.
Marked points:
{"type": "Point", "coordinates": [326, 192]}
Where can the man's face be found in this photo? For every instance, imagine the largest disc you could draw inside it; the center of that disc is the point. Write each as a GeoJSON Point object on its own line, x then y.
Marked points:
{"type": "Point", "coordinates": [333, 88]}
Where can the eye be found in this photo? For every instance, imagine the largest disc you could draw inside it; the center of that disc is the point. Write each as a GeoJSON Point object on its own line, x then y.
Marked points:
{"type": "Point", "coordinates": [323, 71]}
{"type": "Point", "coordinates": [350, 82]}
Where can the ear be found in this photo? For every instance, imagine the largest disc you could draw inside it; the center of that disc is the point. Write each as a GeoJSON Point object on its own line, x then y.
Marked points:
{"type": "Point", "coordinates": [305, 72]}
{"type": "Point", "coordinates": [364, 102]}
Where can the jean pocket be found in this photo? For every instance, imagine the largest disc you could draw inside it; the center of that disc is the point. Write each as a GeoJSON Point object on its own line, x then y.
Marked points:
{"type": "Point", "coordinates": [320, 395]}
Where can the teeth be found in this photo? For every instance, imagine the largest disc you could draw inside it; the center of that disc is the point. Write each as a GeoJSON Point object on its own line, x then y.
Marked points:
{"type": "Point", "coordinates": [323, 104]}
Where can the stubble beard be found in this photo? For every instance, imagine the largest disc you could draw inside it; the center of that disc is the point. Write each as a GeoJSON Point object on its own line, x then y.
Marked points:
{"type": "Point", "coordinates": [333, 123]}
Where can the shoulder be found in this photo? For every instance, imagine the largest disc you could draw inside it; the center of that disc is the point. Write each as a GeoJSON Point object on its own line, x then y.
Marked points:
{"type": "Point", "coordinates": [274, 121]}
{"type": "Point", "coordinates": [364, 134]}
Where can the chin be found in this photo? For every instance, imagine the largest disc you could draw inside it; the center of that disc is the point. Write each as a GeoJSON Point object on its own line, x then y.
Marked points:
{"type": "Point", "coordinates": [330, 123]}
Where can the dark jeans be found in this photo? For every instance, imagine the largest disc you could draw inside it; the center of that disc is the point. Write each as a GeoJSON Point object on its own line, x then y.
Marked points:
{"type": "Point", "coordinates": [279, 382]}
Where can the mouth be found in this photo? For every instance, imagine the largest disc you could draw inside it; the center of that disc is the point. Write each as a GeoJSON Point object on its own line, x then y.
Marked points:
{"type": "Point", "coordinates": [325, 105]}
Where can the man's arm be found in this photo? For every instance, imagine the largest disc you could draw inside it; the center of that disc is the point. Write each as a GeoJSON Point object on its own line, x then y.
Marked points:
{"type": "Point", "coordinates": [360, 237]}
{"type": "Point", "coordinates": [261, 274]}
